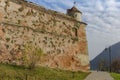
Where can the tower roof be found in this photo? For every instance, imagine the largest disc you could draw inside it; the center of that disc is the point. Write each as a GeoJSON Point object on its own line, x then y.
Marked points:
{"type": "Point", "coordinates": [74, 9]}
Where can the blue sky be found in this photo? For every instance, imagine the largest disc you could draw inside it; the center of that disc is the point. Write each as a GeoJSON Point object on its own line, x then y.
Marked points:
{"type": "Point", "coordinates": [102, 17]}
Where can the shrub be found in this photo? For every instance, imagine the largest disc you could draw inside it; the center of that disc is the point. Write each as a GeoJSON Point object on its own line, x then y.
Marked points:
{"type": "Point", "coordinates": [102, 65]}
{"type": "Point", "coordinates": [116, 66]}
{"type": "Point", "coordinates": [32, 56]}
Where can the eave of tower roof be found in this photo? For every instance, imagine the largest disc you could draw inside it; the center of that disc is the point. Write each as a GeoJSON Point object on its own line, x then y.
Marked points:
{"type": "Point", "coordinates": [74, 9]}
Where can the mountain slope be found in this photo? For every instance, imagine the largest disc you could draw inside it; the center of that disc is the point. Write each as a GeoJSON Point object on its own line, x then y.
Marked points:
{"type": "Point", "coordinates": [106, 57]}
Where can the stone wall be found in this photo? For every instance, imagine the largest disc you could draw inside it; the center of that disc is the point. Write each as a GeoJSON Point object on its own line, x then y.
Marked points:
{"type": "Point", "coordinates": [61, 38]}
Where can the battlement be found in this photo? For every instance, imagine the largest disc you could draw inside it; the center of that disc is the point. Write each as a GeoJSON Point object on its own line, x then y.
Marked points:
{"type": "Point", "coordinates": [41, 8]}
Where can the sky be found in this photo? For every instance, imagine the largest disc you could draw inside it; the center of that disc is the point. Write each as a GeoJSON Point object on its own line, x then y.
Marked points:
{"type": "Point", "coordinates": [102, 17]}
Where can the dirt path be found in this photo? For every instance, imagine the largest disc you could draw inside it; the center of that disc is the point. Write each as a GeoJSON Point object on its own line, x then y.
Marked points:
{"type": "Point", "coordinates": [99, 76]}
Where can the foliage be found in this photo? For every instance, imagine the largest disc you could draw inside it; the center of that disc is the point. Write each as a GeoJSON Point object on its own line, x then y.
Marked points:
{"type": "Point", "coordinates": [7, 5]}
{"type": "Point", "coordinates": [19, 21]}
{"type": "Point", "coordinates": [75, 39]}
{"type": "Point", "coordinates": [115, 76]}
{"type": "Point", "coordinates": [30, 12]}
{"type": "Point", "coordinates": [21, 9]}
{"type": "Point", "coordinates": [5, 17]}
{"type": "Point", "coordinates": [64, 23]}
{"type": "Point", "coordinates": [115, 66]}
{"type": "Point", "coordinates": [12, 72]}
{"type": "Point", "coordinates": [77, 25]}
{"type": "Point", "coordinates": [74, 29]}
{"type": "Point", "coordinates": [31, 56]}
{"type": "Point", "coordinates": [102, 65]}
{"type": "Point", "coordinates": [7, 39]}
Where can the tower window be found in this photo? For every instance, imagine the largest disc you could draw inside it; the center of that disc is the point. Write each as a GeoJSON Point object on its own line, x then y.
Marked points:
{"type": "Point", "coordinates": [76, 34]}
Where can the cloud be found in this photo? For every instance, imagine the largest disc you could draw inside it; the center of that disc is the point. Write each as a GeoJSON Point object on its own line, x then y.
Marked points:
{"type": "Point", "coordinates": [102, 17]}
{"type": "Point", "coordinates": [99, 6]}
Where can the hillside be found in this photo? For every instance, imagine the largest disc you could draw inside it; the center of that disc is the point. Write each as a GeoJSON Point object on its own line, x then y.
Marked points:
{"type": "Point", "coordinates": [104, 56]}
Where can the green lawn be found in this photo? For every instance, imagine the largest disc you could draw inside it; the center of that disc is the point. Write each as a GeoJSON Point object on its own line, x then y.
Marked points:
{"type": "Point", "coordinates": [11, 72]}
{"type": "Point", "coordinates": [115, 76]}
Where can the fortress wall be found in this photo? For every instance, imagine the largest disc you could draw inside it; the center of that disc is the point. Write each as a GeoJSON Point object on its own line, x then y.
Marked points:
{"type": "Point", "coordinates": [61, 38]}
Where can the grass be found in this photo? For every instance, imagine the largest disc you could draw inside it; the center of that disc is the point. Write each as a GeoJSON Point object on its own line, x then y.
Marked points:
{"type": "Point", "coordinates": [115, 76]}
{"type": "Point", "coordinates": [12, 72]}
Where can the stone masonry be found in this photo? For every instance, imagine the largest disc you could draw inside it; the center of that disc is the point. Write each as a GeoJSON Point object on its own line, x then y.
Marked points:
{"type": "Point", "coordinates": [61, 37]}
